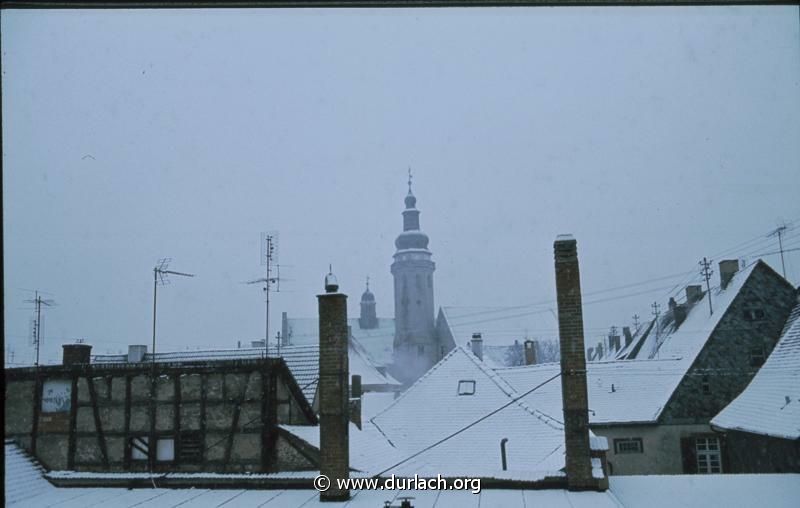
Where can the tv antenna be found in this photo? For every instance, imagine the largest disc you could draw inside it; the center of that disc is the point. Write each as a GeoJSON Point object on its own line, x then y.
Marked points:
{"type": "Point", "coordinates": [161, 278]}
{"type": "Point", "coordinates": [269, 258]}
{"type": "Point", "coordinates": [36, 332]}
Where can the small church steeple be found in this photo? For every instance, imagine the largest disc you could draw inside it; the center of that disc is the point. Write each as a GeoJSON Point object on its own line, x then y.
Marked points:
{"type": "Point", "coordinates": [369, 318]}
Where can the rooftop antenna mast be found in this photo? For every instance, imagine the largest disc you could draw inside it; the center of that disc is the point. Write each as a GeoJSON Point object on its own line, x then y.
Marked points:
{"type": "Point", "coordinates": [36, 335]}
{"type": "Point", "coordinates": [160, 278]}
{"type": "Point", "coordinates": [269, 258]}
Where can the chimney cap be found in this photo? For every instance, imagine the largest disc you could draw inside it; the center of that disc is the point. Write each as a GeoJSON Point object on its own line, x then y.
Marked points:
{"type": "Point", "coordinates": [477, 336]}
{"type": "Point", "coordinates": [331, 283]}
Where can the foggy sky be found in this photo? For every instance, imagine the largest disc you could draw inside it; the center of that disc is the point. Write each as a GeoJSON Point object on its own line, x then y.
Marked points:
{"type": "Point", "coordinates": [656, 136]}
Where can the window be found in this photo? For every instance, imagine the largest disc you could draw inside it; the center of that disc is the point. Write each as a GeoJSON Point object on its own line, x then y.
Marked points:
{"type": "Point", "coordinates": [420, 349]}
{"type": "Point", "coordinates": [628, 445]}
{"type": "Point", "coordinates": [56, 396]}
{"type": "Point", "coordinates": [165, 450]}
{"type": "Point", "coordinates": [140, 447]}
{"type": "Point", "coordinates": [466, 387]}
{"type": "Point", "coordinates": [757, 356]}
{"type": "Point", "coordinates": [706, 386]}
{"type": "Point", "coordinates": [709, 456]}
{"type": "Point", "coordinates": [191, 448]}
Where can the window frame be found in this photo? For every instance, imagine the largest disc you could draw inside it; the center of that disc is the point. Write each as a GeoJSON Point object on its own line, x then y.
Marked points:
{"type": "Point", "coordinates": [706, 456]}
{"type": "Point", "coordinates": [623, 441]}
{"type": "Point", "coordinates": [465, 383]}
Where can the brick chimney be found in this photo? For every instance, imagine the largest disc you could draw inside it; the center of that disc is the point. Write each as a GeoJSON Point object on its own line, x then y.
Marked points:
{"type": "Point", "coordinates": [614, 342]}
{"type": "Point", "coordinates": [355, 400]}
{"type": "Point", "coordinates": [694, 293]}
{"type": "Point", "coordinates": [573, 366]}
{"type": "Point", "coordinates": [76, 354]}
{"type": "Point", "coordinates": [530, 352]}
{"type": "Point", "coordinates": [626, 331]}
{"type": "Point", "coordinates": [727, 269]}
{"type": "Point", "coordinates": [136, 353]}
{"type": "Point", "coordinates": [334, 442]}
{"type": "Point", "coordinates": [477, 345]}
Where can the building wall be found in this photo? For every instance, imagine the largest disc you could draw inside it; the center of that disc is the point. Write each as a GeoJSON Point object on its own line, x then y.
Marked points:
{"type": "Point", "coordinates": [723, 368]}
{"type": "Point", "coordinates": [753, 453]}
{"type": "Point", "coordinates": [661, 447]}
{"type": "Point", "coordinates": [214, 416]}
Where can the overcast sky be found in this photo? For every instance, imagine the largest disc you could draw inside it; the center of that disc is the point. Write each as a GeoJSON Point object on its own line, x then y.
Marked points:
{"type": "Point", "coordinates": [656, 136]}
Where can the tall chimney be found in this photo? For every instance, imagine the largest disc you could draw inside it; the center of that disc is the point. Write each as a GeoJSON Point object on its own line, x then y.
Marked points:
{"type": "Point", "coordinates": [76, 354]}
{"type": "Point", "coordinates": [573, 365]}
{"type": "Point", "coordinates": [477, 345]}
{"type": "Point", "coordinates": [727, 269]}
{"type": "Point", "coordinates": [334, 442]}
{"type": "Point", "coordinates": [530, 352]}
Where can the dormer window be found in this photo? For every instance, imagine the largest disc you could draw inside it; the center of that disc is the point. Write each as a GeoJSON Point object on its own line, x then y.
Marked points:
{"type": "Point", "coordinates": [466, 387]}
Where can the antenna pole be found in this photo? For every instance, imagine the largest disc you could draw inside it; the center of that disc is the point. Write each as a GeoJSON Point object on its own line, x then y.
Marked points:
{"type": "Point", "coordinates": [155, 294]}
{"type": "Point", "coordinates": [38, 325]}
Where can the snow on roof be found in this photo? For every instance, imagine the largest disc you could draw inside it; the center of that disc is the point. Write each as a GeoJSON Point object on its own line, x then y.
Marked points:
{"type": "Point", "coordinates": [708, 490]}
{"type": "Point", "coordinates": [378, 342]}
{"type": "Point", "coordinates": [499, 326]}
{"type": "Point", "coordinates": [432, 409]}
{"type": "Point", "coordinates": [302, 360]}
{"type": "Point", "coordinates": [619, 391]}
{"type": "Point", "coordinates": [688, 339]}
{"type": "Point", "coordinates": [369, 450]}
{"type": "Point", "coordinates": [24, 481]}
{"type": "Point", "coordinates": [770, 405]}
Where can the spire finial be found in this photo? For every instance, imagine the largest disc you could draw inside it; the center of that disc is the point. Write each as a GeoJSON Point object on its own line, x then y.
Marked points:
{"type": "Point", "coordinates": [409, 179]}
{"type": "Point", "coordinates": [367, 282]}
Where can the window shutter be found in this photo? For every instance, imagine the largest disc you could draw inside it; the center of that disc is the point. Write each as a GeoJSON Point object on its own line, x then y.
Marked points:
{"type": "Point", "coordinates": [723, 451]}
{"type": "Point", "coordinates": [689, 455]}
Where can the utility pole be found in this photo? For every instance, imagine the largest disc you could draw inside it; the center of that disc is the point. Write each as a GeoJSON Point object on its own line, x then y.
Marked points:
{"type": "Point", "coordinates": [37, 330]}
{"type": "Point", "coordinates": [656, 312]}
{"type": "Point", "coordinates": [706, 273]}
{"type": "Point", "coordinates": [779, 233]}
{"type": "Point", "coordinates": [636, 321]}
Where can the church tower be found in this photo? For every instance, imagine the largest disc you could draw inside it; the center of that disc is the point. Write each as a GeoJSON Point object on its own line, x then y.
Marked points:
{"type": "Point", "coordinates": [368, 318]}
{"type": "Point", "coordinates": [415, 345]}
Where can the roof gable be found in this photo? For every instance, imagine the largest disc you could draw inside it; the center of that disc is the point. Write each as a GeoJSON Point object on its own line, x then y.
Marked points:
{"type": "Point", "coordinates": [770, 405]}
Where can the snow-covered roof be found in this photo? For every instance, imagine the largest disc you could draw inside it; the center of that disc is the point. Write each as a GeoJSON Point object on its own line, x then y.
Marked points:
{"type": "Point", "coordinates": [302, 360]}
{"type": "Point", "coordinates": [499, 326]}
{"type": "Point", "coordinates": [687, 340]}
{"type": "Point", "coordinates": [24, 481]}
{"type": "Point", "coordinates": [707, 490]}
{"type": "Point", "coordinates": [378, 342]}
{"type": "Point", "coordinates": [431, 410]}
{"type": "Point", "coordinates": [370, 451]}
{"type": "Point", "coordinates": [619, 391]}
{"type": "Point", "coordinates": [37, 492]}
{"type": "Point", "coordinates": [770, 405]}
